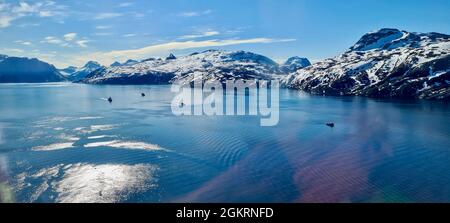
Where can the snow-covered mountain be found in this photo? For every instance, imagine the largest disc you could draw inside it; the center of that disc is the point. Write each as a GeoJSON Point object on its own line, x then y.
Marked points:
{"type": "Point", "coordinates": [294, 63]}
{"type": "Point", "coordinates": [385, 63]}
{"type": "Point", "coordinates": [212, 64]}
{"type": "Point", "coordinates": [27, 70]}
{"type": "Point", "coordinates": [68, 70]}
{"type": "Point", "coordinates": [76, 74]}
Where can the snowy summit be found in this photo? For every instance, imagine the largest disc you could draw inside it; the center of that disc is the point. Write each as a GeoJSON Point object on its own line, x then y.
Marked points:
{"type": "Point", "coordinates": [385, 63]}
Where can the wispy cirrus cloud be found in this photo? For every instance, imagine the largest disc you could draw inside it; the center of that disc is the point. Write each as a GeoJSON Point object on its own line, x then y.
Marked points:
{"type": "Point", "coordinates": [200, 35]}
{"type": "Point", "coordinates": [24, 8]}
{"type": "Point", "coordinates": [129, 35]}
{"type": "Point", "coordinates": [107, 15]}
{"type": "Point", "coordinates": [70, 36]}
{"type": "Point", "coordinates": [67, 40]}
{"type": "Point", "coordinates": [164, 48]}
{"type": "Point", "coordinates": [5, 20]}
{"type": "Point", "coordinates": [103, 27]}
{"type": "Point", "coordinates": [82, 43]}
{"type": "Point", "coordinates": [102, 34]}
{"type": "Point", "coordinates": [26, 43]}
{"type": "Point", "coordinates": [52, 40]}
{"type": "Point", "coordinates": [11, 12]}
{"type": "Point", "coordinates": [125, 4]}
{"type": "Point", "coordinates": [25, 25]}
{"type": "Point", "coordinates": [194, 13]}
{"type": "Point", "coordinates": [12, 51]}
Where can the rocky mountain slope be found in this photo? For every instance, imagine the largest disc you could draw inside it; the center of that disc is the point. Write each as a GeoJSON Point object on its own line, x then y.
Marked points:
{"type": "Point", "coordinates": [76, 74]}
{"type": "Point", "coordinates": [27, 70]}
{"type": "Point", "coordinates": [212, 64]}
{"type": "Point", "coordinates": [388, 63]}
{"type": "Point", "coordinates": [295, 63]}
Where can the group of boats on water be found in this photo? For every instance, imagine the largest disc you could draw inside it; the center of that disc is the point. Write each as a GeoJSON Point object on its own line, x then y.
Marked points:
{"type": "Point", "coordinates": [329, 124]}
{"type": "Point", "coordinates": [110, 98]}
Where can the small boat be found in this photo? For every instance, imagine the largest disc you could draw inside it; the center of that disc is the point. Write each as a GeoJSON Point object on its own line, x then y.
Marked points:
{"type": "Point", "coordinates": [142, 94]}
{"type": "Point", "coordinates": [330, 124]}
{"type": "Point", "coordinates": [110, 99]}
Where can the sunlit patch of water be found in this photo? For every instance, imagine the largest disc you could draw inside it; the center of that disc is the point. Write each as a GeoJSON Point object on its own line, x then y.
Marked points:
{"type": "Point", "coordinates": [86, 183]}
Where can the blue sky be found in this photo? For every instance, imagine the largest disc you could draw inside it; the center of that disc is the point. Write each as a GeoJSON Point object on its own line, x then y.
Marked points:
{"type": "Point", "coordinates": [72, 32]}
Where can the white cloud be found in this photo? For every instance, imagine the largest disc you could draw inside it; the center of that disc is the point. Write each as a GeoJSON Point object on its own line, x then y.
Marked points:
{"type": "Point", "coordinates": [103, 27]}
{"type": "Point", "coordinates": [194, 13]}
{"type": "Point", "coordinates": [46, 13]}
{"type": "Point", "coordinates": [129, 35]}
{"type": "Point", "coordinates": [24, 7]}
{"type": "Point", "coordinates": [28, 25]}
{"type": "Point", "coordinates": [12, 50]}
{"type": "Point", "coordinates": [189, 14]}
{"type": "Point", "coordinates": [164, 48]}
{"type": "Point", "coordinates": [70, 36]}
{"type": "Point", "coordinates": [125, 4]}
{"type": "Point", "coordinates": [105, 58]}
{"type": "Point", "coordinates": [102, 34]}
{"type": "Point", "coordinates": [67, 40]}
{"type": "Point", "coordinates": [204, 34]}
{"type": "Point", "coordinates": [82, 43]}
{"type": "Point", "coordinates": [10, 12]}
{"type": "Point", "coordinates": [26, 43]}
{"type": "Point", "coordinates": [107, 15]}
{"type": "Point", "coordinates": [236, 30]}
{"type": "Point", "coordinates": [5, 21]}
{"type": "Point", "coordinates": [52, 40]}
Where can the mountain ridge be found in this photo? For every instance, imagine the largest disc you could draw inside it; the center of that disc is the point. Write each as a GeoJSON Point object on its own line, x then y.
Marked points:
{"type": "Point", "coordinates": [75, 74]}
{"type": "Point", "coordinates": [388, 63]}
{"type": "Point", "coordinates": [27, 70]}
{"type": "Point", "coordinates": [213, 64]}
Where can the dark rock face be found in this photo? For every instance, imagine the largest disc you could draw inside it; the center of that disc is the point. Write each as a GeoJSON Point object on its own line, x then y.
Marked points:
{"type": "Point", "coordinates": [171, 57]}
{"type": "Point", "coordinates": [92, 65]}
{"type": "Point", "coordinates": [385, 64]}
{"type": "Point", "coordinates": [26, 70]}
{"type": "Point", "coordinates": [148, 59]}
{"type": "Point", "coordinates": [127, 63]}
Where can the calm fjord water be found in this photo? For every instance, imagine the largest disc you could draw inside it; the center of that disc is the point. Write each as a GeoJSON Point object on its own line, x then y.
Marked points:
{"type": "Point", "coordinates": [65, 143]}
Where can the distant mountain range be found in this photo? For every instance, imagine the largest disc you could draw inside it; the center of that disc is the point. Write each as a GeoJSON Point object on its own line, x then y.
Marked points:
{"type": "Point", "coordinates": [388, 63]}
{"type": "Point", "coordinates": [75, 74]}
{"type": "Point", "coordinates": [27, 70]}
{"type": "Point", "coordinates": [212, 64]}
